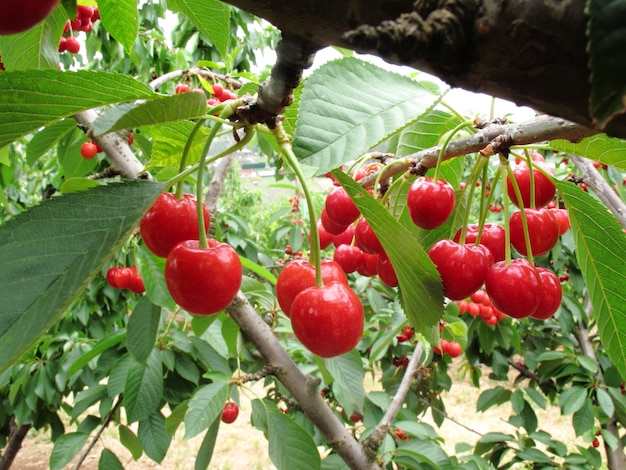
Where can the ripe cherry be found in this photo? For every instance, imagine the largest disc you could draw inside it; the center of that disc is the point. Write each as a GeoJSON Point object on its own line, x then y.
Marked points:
{"type": "Point", "coordinates": [453, 349]}
{"type": "Point", "coordinates": [72, 45]}
{"type": "Point", "coordinates": [562, 216]}
{"type": "Point", "coordinates": [326, 238]}
{"type": "Point", "coordinates": [348, 257]}
{"type": "Point", "coordinates": [328, 320]}
{"type": "Point", "coordinates": [330, 225]}
{"type": "Point", "coordinates": [544, 188]}
{"type": "Point", "coordinates": [230, 412]}
{"type": "Point", "coordinates": [492, 237]}
{"type": "Point", "coordinates": [369, 264]}
{"type": "Point", "coordinates": [515, 288]}
{"type": "Point", "coordinates": [386, 272]}
{"type": "Point", "coordinates": [203, 281]}
{"type": "Point", "coordinates": [543, 230]}
{"type": "Point", "coordinates": [551, 295]}
{"type": "Point", "coordinates": [430, 203]}
{"type": "Point", "coordinates": [345, 237]}
{"type": "Point", "coordinates": [181, 88]}
{"type": "Point", "coordinates": [170, 221]}
{"type": "Point", "coordinates": [298, 275]}
{"type": "Point", "coordinates": [462, 267]}
{"type": "Point", "coordinates": [365, 237]}
{"type": "Point", "coordinates": [88, 150]}
{"type": "Point", "coordinates": [17, 16]}
{"type": "Point", "coordinates": [340, 208]}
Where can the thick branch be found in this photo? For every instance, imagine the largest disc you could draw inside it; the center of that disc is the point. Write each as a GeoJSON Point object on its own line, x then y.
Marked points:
{"type": "Point", "coordinates": [16, 438]}
{"type": "Point", "coordinates": [303, 388]}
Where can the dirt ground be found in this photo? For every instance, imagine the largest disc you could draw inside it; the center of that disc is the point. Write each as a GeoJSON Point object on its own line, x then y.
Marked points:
{"type": "Point", "coordinates": [240, 446]}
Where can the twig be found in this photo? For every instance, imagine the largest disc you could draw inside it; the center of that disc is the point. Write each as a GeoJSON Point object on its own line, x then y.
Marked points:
{"type": "Point", "coordinates": [449, 418]}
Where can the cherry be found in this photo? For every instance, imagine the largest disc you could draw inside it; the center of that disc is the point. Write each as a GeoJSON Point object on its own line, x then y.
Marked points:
{"type": "Point", "coordinates": [348, 257]}
{"type": "Point", "coordinates": [543, 230]}
{"type": "Point", "coordinates": [298, 275]}
{"type": "Point", "coordinates": [345, 237]}
{"type": "Point", "coordinates": [430, 203]}
{"type": "Point", "coordinates": [514, 288]}
{"type": "Point", "coordinates": [551, 295]}
{"type": "Point", "coordinates": [562, 217]}
{"type": "Point", "coordinates": [326, 238]}
{"type": "Point", "coordinates": [462, 267]}
{"type": "Point", "coordinates": [230, 412]}
{"type": "Point", "coordinates": [330, 225]}
{"type": "Point", "coordinates": [544, 188]}
{"type": "Point", "coordinates": [365, 237]}
{"type": "Point", "coordinates": [595, 442]}
{"type": "Point", "coordinates": [203, 281]}
{"type": "Point", "coordinates": [72, 45]}
{"type": "Point", "coordinates": [17, 16]}
{"type": "Point", "coordinates": [369, 264]}
{"type": "Point", "coordinates": [328, 320]}
{"type": "Point", "coordinates": [125, 278]}
{"type": "Point", "coordinates": [492, 237]}
{"type": "Point", "coordinates": [386, 272]}
{"type": "Point", "coordinates": [453, 349]}
{"type": "Point", "coordinates": [356, 417]}
{"type": "Point", "coordinates": [218, 90]}
{"type": "Point", "coordinates": [88, 150]}
{"type": "Point", "coordinates": [170, 221]}
{"type": "Point", "coordinates": [340, 208]}
{"type": "Point", "coordinates": [181, 88]}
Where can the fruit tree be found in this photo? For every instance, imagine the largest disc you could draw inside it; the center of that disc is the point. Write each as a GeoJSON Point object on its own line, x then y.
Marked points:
{"type": "Point", "coordinates": [145, 288]}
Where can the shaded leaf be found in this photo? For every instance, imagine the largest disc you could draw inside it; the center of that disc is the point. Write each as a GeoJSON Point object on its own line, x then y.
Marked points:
{"type": "Point", "coordinates": [151, 268]}
{"type": "Point", "coordinates": [109, 461]}
{"type": "Point", "coordinates": [339, 123]}
{"type": "Point", "coordinates": [142, 329]}
{"type": "Point", "coordinates": [153, 437]}
{"type": "Point", "coordinates": [46, 138]}
{"type": "Point", "coordinates": [51, 252]}
{"type": "Point", "coordinates": [205, 452]}
{"type": "Point", "coordinates": [66, 448]}
{"type": "Point", "coordinates": [212, 18]}
{"type": "Point", "coordinates": [583, 419]}
{"type": "Point", "coordinates": [144, 387]}
{"type": "Point", "coordinates": [572, 399]}
{"type": "Point", "coordinates": [205, 406]}
{"type": "Point", "coordinates": [348, 375]}
{"type": "Point", "coordinates": [130, 440]}
{"type": "Point", "coordinates": [290, 446]}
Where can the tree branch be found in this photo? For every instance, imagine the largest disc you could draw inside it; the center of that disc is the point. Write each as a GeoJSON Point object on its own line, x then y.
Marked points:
{"type": "Point", "coordinates": [17, 435]}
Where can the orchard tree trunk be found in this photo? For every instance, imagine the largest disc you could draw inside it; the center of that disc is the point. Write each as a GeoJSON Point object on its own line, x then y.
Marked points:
{"type": "Point", "coordinates": [16, 437]}
{"type": "Point", "coordinates": [531, 52]}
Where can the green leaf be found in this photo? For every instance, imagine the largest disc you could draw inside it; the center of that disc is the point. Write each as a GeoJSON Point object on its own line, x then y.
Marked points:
{"type": "Point", "coordinates": [102, 345]}
{"type": "Point", "coordinates": [601, 253]}
{"type": "Point", "coordinates": [205, 452]}
{"type": "Point", "coordinates": [607, 59]}
{"type": "Point", "coordinates": [572, 399]}
{"type": "Point", "coordinates": [168, 142]}
{"type": "Point", "coordinates": [348, 375]}
{"type": "Point", "coordinates": [420, 284]}
{"type": "Point", "coordinates": [599, 147]}
{"type": "Point", "coordinates": [583, 419]}
{"type": "Point", "coordinates": [73, 185]}
{"type": "Point", "coordinates": [37, 48]}
{"type": "Point", "coordinates": [142, 328]}
{"type": "Point", "coordinates": [339, 123]}
{"type": "Point", "coordinates": [534, 455]}
{"type": "Point", "coordinates": [290, 446]}
{"type": "Point", "coordinates": [46, 138]}
{"type": "Point", "coordinates": [130, 440]}
{"type": "Point", "coordinates": [492, 397]}
{"type": "Point", "coordinates": [153, 437]}
{"type": "Point", "coordinates": [121, 20]}
{"type": "Point", "coordinates": [144, 387]}
{"type": "Point", "coordinates": [109, 461]}
{"type": "Point", "coordinates": [50, 253]}
{"type": "Point", "coordinates": [151, 268]}
{"type": "Point", "coordinates": [425, 452]}
{"type": "Point", "coordinates": [205, 406]}
{"type": "Point", "coordinates": [605, 403]}
{"type": "Point", "coordinates": [426, 132]}
{"type": "Point", "coordinates": [157, 111]}
{"type": "Point", "coordinates": [211, 17]}
{"type": "Point", "coordinates": [258, 269]}
{"type": "Point", "coordinates": [34, 99]}
{"type": "Point", "coordinates": [66, 448]}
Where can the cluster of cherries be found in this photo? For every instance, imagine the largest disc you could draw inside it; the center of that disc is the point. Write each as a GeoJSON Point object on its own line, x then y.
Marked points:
{"type": "Point", "coordinates": [202, 281]}
{"type": "Point", "coordinates": [515, 287]}
{"type": "Point", "coordinates": [120, 277]}
{"type": "Point", "coordinates": [219, 93]}
{"type": "Point", "coordinates": [480, 305]}
{"type": "Point", "coordinates": [86, 16]}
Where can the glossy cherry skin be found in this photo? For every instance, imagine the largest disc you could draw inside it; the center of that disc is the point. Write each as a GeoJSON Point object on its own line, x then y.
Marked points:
{"type": "Point", "coordinates": [298, 275]}
{"type": "Point", "coordinates": [462, 267]}
{"type": "Point", "coordinates": [551, 295]}
{"type": "Point", "coordinates": [562, 217]}
{"type": "Point", "coordinates": [492, 237]}
{"type": "Point", "coordinates": [515, 288]}
{"type": "Point", "coordinates": [340, 208]}
{"type": "Point", "coordinates": [544, 188]}
{"type": "Point", "coordinates": [365, 237]}
{"type": "Point", "coordinates": [330, 225]}
{"type": "Point", "coordinates": [348, 257]}
{"type": "Point", "coordinates": [345, 237]}
{"type": "Point", "coordinates": [369, 265]}
{"type": "Point", "coordinates": [543, 230]}
{"type": "Point", "coordinates": [326, 238]}
{"type": "Point", "coordinates": [230, 412]}
{"type": "Point", "coordinates": [203, 281]}
{"type": "Point", "coordinates": [17, 16]}
{"type": "Point", "coordinates": [170, 221]}
{"type": "Point", "coordinates": [328, 320]}
{"type": "Point", "coordinates": [386, 272]}
{"type": "Point", "coordinates": [430, 203]}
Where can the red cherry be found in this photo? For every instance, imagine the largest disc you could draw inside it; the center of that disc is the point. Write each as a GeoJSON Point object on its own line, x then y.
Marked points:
{"type": "Point", "coordinates": [88, 150]}
{"type": "Point", "coordinates": [328, 320]}
{"type": "Point", "coordinates": [562, 216]}
{"type": "Point", "coordinates": [595, 442]}
{"type": "Point", "coordinates": [230, 412]}
{"type": "Point", "coordinates": [356, 417]}
{"type": "Point", "coordinates": [298, 275]}
{"type": "Point", "coordinates": [544, 188]}
{"type": "Point", "coordinates": [203, 281]}
{"type": "Point", "coordinates": [17, 16]}
{"type": "Point", "coordinates": [462, 267]}
{"type": "Point", "coordinates": [326, 238]}
{"type": "Point", "coordinates": [340, 208]}
{"type": "Point", "coordinates": [72, 45]}
{"type": "Point", "coordinates": [551, 295]}
{"type": "Point", "coordinates": [227, 95]}
{"type": "Point", "coordinates": [430, 203]}
{"type": "Point", "coordinates": [453, 349]}
{"type": "Point", "coordinates": [543, 230]}
{"type": "Point", "coordinates": [492, 237]}
{"type": "Point", "coordinates": [365, 237]}
{"type": "Point", "coordinates": [515, 288]}
{"type": "Point", "coordinates": [113, 277]}
{"type": "Point", "coordinates": [330, 225]}
{"type": "Point", "coordinates": [85, 12]}
{"type": "Point", "coordinates": [345, 237]}
{"type": "Point", "coordinates": [348, 257]}
{"type": "Point", "coordinates": [170, 221]}
{"type": "Point", "coordinates": [369, 265]}
{"type": "Point", "coordinates": [218, 90]}
{"type": "Point", "coordinates": [181, 88]}
{"type": "Point", "coordinates": [386, 272]}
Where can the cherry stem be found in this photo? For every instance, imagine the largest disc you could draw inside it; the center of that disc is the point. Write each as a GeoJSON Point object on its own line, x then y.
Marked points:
{"type": "Point", "coordinates": [483, 210]}
{"type": "Point", "coordinates": [529, 163]}
{"type": "Point", "coordinates": [445, 144]}
{"type": "Point", "coordinates": [183, 160]}
{"type": "Point", "coordinates": [518, 197]}
{"type": "Point", "coordinates": [470, 187]}
{"type": "Point", "coordinates": [502, 170]}
{"type": "Point", "coordinates": [290, 158]}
